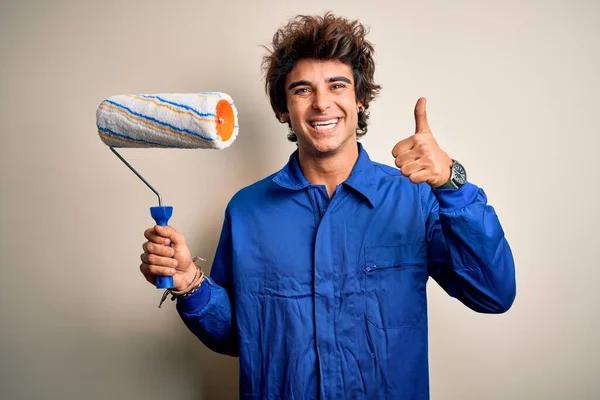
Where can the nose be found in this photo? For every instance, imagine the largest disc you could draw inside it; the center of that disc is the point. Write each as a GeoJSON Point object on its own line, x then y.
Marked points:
{"type": "Point", "coordinates": [321, 100]}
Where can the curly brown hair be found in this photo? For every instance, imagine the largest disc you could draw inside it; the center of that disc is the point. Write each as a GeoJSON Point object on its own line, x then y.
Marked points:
{"type": "Point", "coordinates": [325, 37]}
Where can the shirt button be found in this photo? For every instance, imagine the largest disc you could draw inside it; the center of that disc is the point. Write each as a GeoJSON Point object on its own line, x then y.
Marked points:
{"type": "Point", "coordinates": [372, 355]}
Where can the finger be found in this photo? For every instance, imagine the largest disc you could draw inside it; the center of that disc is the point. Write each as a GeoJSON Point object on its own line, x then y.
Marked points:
{"type": "Point", "coordinates": [419, 176]}
{"type": "Point", "coordinates": [151, 235]}
{"type": "Point", "coordinates": [149, 271]}
{"type": "Point", "coordinates": [158, 260]}
{"type": "Point", "coordinates": [405, 158]}
{"type": "Point", "coordinates": [402, 146]}
{"type": "Point", "coordinates": [412, 167]}
{"type": "Point", "coordinates": [144, 269]}
{"type": "Point", "coordinates": [422, 125]}
{"type": "Point", "coordinates": [150, 278]}
{"type": "Point", "coordinates": [158, 249]}
{"type": "Point", "coordinates": [171, 233]}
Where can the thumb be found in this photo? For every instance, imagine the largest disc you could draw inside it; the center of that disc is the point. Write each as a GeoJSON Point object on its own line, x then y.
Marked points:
{"type": "Point", "coordinates": [170, 233]}
{"type": "Point", "coordinates": [421, 124]}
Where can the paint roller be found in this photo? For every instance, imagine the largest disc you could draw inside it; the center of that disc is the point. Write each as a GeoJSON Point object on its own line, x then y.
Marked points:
{"type": "Point", "coordinates": [203, 120]}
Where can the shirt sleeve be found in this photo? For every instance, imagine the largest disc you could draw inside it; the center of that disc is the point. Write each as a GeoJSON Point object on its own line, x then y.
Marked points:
{"type": "Point", "coordinates": [468, 254]}
{"type": "Point", "coordinates": [208, 312]}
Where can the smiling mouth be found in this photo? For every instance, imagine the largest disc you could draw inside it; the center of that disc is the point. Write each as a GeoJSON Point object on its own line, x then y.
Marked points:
{"type": "Point", "coordinates": [325, 126]}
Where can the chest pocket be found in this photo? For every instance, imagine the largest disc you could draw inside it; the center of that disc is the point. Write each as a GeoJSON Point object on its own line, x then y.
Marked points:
{"type": "Point", "coordinates": [395, 285]}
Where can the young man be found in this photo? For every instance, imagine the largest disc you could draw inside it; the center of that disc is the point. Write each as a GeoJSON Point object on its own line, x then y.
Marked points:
{"type": "Point", "coordinates": [319, 279]}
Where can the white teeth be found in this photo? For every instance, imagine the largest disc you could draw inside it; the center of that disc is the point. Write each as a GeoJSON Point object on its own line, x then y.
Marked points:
{"type": "Point", "coordinates": [324, 125]}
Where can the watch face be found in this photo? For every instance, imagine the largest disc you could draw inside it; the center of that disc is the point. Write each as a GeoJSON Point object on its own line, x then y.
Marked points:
{"type": "Point", "coordinates": [459, 175]}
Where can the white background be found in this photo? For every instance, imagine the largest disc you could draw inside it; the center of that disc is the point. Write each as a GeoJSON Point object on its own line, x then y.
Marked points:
{"type": "Point", "coordinates": [512, 92]}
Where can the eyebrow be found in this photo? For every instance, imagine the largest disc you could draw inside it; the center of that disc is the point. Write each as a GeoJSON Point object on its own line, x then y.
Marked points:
{"type": "Point", "coordinates": [307, 83]}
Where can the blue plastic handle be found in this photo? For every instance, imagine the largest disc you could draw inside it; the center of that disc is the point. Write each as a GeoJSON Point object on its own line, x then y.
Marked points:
{"type": "Point", "coordinates": [161, 215]}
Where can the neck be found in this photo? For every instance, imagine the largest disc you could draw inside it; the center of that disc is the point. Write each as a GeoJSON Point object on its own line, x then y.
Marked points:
{"type": "Point", "coordinates": [329, 169]}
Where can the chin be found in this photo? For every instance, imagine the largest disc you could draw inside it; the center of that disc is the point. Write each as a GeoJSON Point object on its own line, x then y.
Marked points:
{"type": "Point", "coordinates": [324, 145]}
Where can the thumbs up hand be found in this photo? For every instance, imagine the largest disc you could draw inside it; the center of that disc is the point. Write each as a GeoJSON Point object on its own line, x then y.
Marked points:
{"type": "Point", "coordinates": [419, 157]}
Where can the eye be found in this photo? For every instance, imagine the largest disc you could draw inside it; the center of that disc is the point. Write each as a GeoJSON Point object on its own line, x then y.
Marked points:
{"type": "Point", "coordinates": [303, 90]}
{"type": "Point", "coordinates": [337, 86]}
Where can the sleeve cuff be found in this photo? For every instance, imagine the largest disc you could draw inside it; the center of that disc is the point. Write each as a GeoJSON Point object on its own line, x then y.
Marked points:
{"type": "Point", "coordinates": [195, 302]}
{"type": "Point", "coordinates": [451, 200]}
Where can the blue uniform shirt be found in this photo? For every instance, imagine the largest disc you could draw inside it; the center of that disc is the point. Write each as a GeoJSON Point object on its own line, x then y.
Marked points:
{"type": "Point", "coordinates": [325, 298]}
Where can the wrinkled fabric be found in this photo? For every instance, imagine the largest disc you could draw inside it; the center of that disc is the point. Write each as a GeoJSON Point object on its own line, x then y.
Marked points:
{"type": "Point", "coordinates": [326, 298]}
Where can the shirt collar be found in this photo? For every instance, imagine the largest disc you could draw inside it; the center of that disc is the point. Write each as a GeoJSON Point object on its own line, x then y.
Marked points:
{"type": "Point", "coordinates": [361, 179]}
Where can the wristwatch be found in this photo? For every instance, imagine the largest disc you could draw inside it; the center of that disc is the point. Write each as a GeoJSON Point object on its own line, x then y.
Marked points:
{"type": "Point", "coordinates": [458, 176]}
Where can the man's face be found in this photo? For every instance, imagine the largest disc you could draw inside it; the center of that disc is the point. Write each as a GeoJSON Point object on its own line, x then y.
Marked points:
{"type": "Point", "coordinates": [322, 105]}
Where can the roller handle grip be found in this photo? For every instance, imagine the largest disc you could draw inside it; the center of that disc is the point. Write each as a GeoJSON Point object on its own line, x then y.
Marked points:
{"type": "Point", "coordinates": [161, 215]}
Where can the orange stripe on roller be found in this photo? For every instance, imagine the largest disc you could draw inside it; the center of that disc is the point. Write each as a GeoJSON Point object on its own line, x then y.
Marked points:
{"type": "Point", "coordinates": [152, 125]}
{"type": "Point", "coordinates": [225, 120]}
{"type": "Point", "coordinates": [170, 108]}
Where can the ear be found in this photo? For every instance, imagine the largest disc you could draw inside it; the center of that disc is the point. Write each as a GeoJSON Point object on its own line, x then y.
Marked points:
{"type": "Point", "coordinates": [359, 107]}
{"type": "Point", "coordinates": [284, 117]}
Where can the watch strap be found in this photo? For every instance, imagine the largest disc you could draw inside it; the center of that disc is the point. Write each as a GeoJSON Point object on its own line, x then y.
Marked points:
{"type": "Point", "coordinates": [452, 182]}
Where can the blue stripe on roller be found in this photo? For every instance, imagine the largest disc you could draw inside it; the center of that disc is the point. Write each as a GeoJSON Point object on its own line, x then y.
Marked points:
{"type": "Point", "coordinates": [179, 105]}
{"type": "Point", "coordinates": [219, 95]}
{"type": "Point", "coordinates": [120, 135]}
{"type": "Point", "coordinates": [159, 122]}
